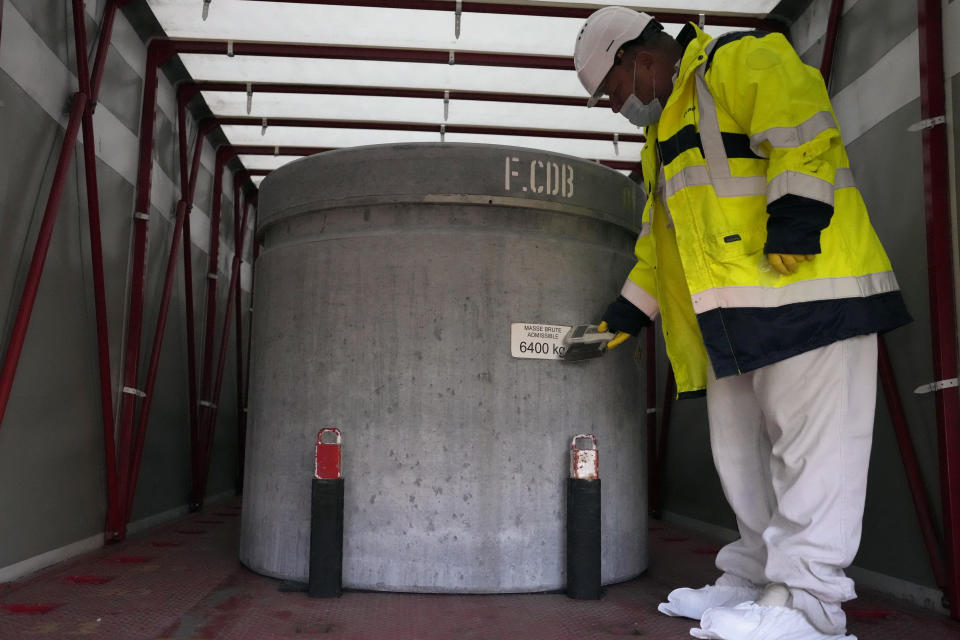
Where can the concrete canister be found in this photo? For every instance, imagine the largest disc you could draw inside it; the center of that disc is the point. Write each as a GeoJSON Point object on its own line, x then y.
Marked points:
{"type": "Point", "coordinates": [388, 283]}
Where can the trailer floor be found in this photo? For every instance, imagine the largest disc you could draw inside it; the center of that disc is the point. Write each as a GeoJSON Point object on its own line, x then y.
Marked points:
{"type": "Point", "coordinates": [182, 580]}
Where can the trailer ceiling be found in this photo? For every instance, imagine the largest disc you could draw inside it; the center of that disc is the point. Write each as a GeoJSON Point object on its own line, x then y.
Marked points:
{"type": "Point", "coordinates": [516, 27]}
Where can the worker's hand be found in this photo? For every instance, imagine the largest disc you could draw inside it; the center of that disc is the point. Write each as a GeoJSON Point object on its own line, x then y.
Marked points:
{"type": "Point", "coordinates": [787, 263]}
{"type": "Point", "coordinates": [618, 339]}
{"type": "Point", "coordinates": [623, 319]}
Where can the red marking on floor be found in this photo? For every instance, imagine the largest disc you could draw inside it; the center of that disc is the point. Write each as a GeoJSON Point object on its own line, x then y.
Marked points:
{"type": "Point", "coordinates": [875, 614]}
{"type": "Point", "coordinates": [128, 559]}
{"type": "Point", "coordinates": [162, 543]}
{"type": "Point", "coordinates": [28, 608]}
{"type": "Point", "coordinates": [192, 532]}
{"type": "Point", "coordinates": [88, 579]}
{"type": "Point", "coordinates": [206, 593]}
{"type": "Point", "coordinates": [676, 539]}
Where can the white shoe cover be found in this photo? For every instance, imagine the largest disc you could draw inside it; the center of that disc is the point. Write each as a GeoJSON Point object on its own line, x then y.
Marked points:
{"type": "Point", "coordinates": [750, 621]}
{"type": "Point", "coordinates": [691, 603]}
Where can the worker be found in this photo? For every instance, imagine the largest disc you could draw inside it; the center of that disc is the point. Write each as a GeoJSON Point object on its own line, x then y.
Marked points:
{"type": "Point", "coordinates": [757, 253]}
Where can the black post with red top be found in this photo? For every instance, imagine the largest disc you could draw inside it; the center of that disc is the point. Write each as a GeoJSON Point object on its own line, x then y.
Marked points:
{"type": "Point", "coordinates": [326, 519]}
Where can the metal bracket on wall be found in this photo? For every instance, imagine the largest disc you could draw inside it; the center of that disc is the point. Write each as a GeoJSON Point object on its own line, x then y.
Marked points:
{"type": "Point", "coordinates": [456, 25]}
{"type": "Point", "coordinates": [208, 404]}
{"type": "Point", "coordinates": [928, 123]}
{"type": "Point", "coordinates": [140, 215]}
{"type": "Point", "coordinates": [133, 392]}
{"type": "Point", "coordinates": [937, 386]}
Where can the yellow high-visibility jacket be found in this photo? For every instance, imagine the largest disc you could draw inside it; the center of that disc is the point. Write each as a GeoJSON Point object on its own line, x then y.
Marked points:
{"type": "Point", "coordinates": [746, 160]}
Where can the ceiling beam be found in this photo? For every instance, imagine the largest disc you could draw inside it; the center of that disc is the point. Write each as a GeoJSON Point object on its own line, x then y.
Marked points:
{"type": "Point", "coordinates": [393, 92]}
{"type": "Point", "coordinates": [266, 150]}
{"type": "Point", "coordinates": [245, 121]}
{"type": "Point", "coordinates": [165, 48]}
{"type": "Point", "coordinates": [556, 10]}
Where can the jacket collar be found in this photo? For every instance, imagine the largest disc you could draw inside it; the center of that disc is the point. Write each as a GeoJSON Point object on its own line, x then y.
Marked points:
{"type": "Point", "coordinates": [687, 35]}
{"type": "Point", "coordinates": [693, 41]}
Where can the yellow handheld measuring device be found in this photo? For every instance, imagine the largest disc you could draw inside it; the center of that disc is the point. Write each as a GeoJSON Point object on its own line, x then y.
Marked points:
{"type": "Point", "coordinates": [584, 341]}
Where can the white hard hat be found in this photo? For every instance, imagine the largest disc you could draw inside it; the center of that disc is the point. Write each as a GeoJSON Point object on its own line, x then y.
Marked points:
{"type": "Point", "coordinates": [598, 42]}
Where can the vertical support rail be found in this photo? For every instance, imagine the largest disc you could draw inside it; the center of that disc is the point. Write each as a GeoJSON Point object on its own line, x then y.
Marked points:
{"type": "Point", "coordinates": [669, 391]}
{"type": "Point", "coordinates": [888, 380]}
{"type": "Point", "coordinates": [239, 242]}
{"type": "Point", "coordinates": [103, 48]}
{"type": "Point", "coordinates": [941, 286]}
{"type": "Point", "coordinates": [653, 463]}
{"type": "Point", "coordinates": [830, 41]}
{"type": "Point", "coordinates": [138, 274]}
{"type": "Point", "coordinates": [186, 191]}
{"type": "Point", "coordinates": [898, 418]}
{"type": "Point", "coordinates": [206, 402]}
{"type": "Point", "coordinates": [246, 386]}
{"type": "Point", "coordinates": [210, 423]}
{"type": "Point", "coordinates": [18, 334]}
{"type": "Point", "coordinates": [910, 463]}
{"type": "Point", "coordinates": [139, 434]}
{"type": "Point", "coordinates": [96, 259]}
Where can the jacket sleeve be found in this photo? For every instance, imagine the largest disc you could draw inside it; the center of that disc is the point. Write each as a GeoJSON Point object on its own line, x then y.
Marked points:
{"type": "Point", "coordinates": [782, 105]}
{"type": "Point", "coordinates": [641, 286]}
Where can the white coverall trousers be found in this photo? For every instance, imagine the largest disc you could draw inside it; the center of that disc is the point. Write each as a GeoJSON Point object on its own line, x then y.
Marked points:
{"type": "Point", "coordinates": [791, 443]}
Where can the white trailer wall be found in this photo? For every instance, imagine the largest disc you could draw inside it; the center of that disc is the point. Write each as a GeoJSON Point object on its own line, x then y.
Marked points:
{"type": "Point", "coordinates": [52, 477]}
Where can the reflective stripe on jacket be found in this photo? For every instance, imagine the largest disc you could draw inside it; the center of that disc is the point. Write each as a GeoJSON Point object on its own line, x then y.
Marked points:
{"type": "Point", "coordinates": [746, 160]}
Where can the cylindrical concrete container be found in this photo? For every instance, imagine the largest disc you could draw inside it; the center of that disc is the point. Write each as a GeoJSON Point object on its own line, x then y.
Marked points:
{"type": "Point", "coordinates": [389, 279]}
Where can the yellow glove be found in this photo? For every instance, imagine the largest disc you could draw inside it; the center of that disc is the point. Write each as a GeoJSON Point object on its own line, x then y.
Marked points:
{"type": "Point", "coordinates": [618, 339]}
{"type": "Point", "coordinates": [787, 263]}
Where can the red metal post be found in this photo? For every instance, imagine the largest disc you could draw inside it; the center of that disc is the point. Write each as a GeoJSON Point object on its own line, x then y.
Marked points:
{"type": "Point", "coordinates": [139, 434]}
{"type": "Point", "coordinates": [238, 299]}
{"type": "Point", "coordinates": [888, 380]}
{"type": "Point", "coordinates": [130, 390]}
{"type": "Point", "coordinates": [187, 196]}
{"type": "Point", "coordinates": [246, 366]}
{"type": "Point", "coordinates": [202, 132]}
{"type": "Point", "coordinates": [114, 514]}
{"type": "Point", "coordinates": [210, 423]}
{"type": "Point", "coordinates": [18, 334]}
{"type": "Point", "coordinates": [910, 464]}
{"type": "Point", "coordinates": [669, 391]}
{"type": "Point", "coordinates": [830, 40]}
{"type": "Point", "coordinates": [940, 271]}
{"type": "Point", "coordinates": [206, 402]}
{"type": "Point", "coordinates": [653, 464]}
{"type": "Point", "coordinates": [103, 48]}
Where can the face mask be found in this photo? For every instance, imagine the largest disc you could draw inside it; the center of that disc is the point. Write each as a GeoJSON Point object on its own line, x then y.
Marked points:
{"type": "Point", "coordinates": [638, 113]}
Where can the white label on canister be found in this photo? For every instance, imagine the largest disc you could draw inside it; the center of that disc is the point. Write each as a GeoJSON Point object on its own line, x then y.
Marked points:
{"type": "Point", "coordinates": [537, 340]}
